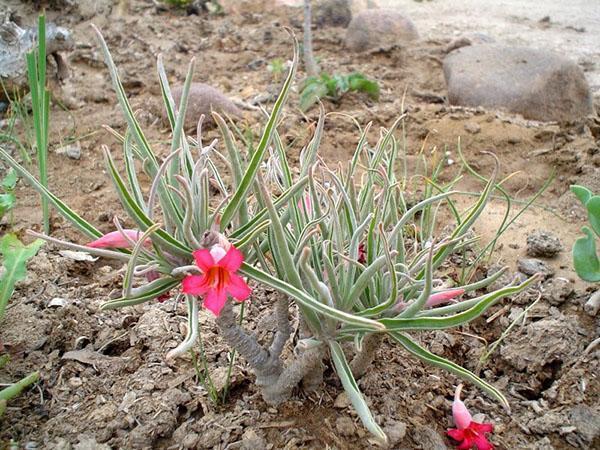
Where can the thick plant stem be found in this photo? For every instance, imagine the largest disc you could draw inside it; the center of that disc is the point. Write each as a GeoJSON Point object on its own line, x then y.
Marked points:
{"type": "Point", "coordinates": [313, 379]}
{"type": "Point", "coordinates": [267, 369]}
{"type": "Point", "coordinates": [302, 365]}
{"type": "Point", "coordinates": [310, 65]}
{"type": "Point", "coordinates": [284, 330]}
{"type": "Point", "coordinates": [363, 359]}
{"type": "Point", "coordinates": [276, 382]}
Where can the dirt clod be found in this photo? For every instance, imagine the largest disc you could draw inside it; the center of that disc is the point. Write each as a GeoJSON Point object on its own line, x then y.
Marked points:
{"type": "Point", "coordinates": [345, 426]}
{"type": "Point", "coordinates": [557, 290]}
{"type": "Point", "coordinates": [531, 266]}
{"type": "Point", "coordinates": [543, 243]}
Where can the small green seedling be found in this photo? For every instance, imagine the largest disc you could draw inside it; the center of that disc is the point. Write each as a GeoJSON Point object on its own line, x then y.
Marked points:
{"type": "Point", "coordinates": [14, 260]}
{"type": "Point", "coordinates": [7, 194]}
{"type": "Point", "coordinates": [15, 256]}
{"type": "Point", "coordinates": [333, 87]}
{"type": "Point", "coordinates": [585, 256]}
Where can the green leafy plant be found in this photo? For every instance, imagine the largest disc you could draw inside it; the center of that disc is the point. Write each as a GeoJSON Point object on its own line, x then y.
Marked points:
{"type": "Point", "coordinates": [276, 67]}
{"type": "Point", "coordinates": [340, 244]}
{"type": "Point", "coordinates": [585, 256]}
{"type": "Point", "coordinates": [14, 259]}
{"type": "Point", "coordinates": [40, 102]}
{"type": "Point", "coordinates": [14, 268]}
{"type": "Point", "coordinates": [334, 86]}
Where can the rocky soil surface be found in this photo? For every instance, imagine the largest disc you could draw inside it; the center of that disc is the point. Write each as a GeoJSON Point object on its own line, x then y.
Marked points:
{"type": "Point", "coordinates": [105, 382]}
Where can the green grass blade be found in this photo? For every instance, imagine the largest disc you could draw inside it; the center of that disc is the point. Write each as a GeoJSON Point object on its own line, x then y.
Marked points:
{"type": "Point", "coordinates": [304, 299]}
{"type": "Point", "coordinates": [138, 214]}
{"type": "Point", "coordinates": [254, 165]}
{"type": "Point", "coordinates": [147, 293]}
{"type": "Point", "coordinates": [78, 221]}
{"type": "Point", "coordinates": [343, 370]}
{"type": "Point", "coordinates": [430, 358]}
{"type": "Point", "coordinates": [440, 323]}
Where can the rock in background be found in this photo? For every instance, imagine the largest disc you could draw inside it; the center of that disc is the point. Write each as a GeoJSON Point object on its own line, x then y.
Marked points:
{"type": "Point", "coordinates": [335, 13]}
{"type": "Point", "coordinates": [537, 84]}
{"type": "Point", "coordinates": [377, 28]}
{"type": "Point", "coordinates": [202, 100]}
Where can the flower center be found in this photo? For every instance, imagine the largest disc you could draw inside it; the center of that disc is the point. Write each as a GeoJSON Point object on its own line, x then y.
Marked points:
{"type": "Point", "coordinates": [218, 277]}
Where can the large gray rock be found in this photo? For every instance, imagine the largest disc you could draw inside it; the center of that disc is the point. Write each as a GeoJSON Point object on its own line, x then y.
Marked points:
{"type": "Point", "coordinates": [15, 42]}
{"type": "Point", "coordinates": [203, 99]}
{"type": "Point", "coordinates": [540, 85]}
{"type": "Point", "coordinates": [375, 28]}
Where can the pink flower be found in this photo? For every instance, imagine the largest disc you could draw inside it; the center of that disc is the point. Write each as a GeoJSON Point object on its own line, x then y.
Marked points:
{"type": "Point", "coordinates": [434, 299]}
{"type": "Point", "coordinates": [442, 297]}
{"type": "Point", "coordinates": [218, 278]}
{"type": "Point", "coordinates": [115, 239]}
{"type": "Point", "coordinates": [468, 433]}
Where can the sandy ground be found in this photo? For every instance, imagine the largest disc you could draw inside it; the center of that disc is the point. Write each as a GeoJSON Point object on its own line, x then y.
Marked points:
{"type": "Point", "coordinates": [573, 28]}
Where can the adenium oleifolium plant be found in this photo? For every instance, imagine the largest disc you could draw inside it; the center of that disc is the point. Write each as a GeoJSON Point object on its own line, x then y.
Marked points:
{"type": "Point", "coordinates": [342, 244]}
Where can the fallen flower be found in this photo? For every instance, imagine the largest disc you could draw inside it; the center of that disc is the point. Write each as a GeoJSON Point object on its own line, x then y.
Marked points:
{"type": "Point", "coordinates": [468, 433]}
{"type": "Point", "coordinates": [218, 277]}
{"type": "Point", "coordinates": [115, 239]}
{"type": "Point", "coordinates": [434, 299]}
{"type": "Point", "coordinates": [442, 297]}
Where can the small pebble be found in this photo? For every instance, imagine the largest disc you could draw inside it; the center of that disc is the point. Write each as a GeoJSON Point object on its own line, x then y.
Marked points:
{"type": "Point", "coordinates": [543, 243]}
{"type": "Point", "coordinates": [72, 151]}
{"type": "Point", "coordinates": [345, 426]}
{"type": "Point", "coordinates": [342, 401]}
{"type": "Point", "coordinates": [593, 304]}
{"type": "Point", "coordinates": [557, 290]}
{"type": "Point", "coordinates": [57, 302]}
{"type": "Point", "coordinates": [190, 440]}
{"type": "Point", "coordinates": [75, 382]}
{"type": "Point", "coordinates": [395, 431]}
{"type": "Point", "coordinates": [472, 127]}
{"type": "Point", "coordinates": [531, 266]}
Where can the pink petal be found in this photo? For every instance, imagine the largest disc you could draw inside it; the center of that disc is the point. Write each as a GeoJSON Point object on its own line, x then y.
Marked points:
{"type": "Point", "coordinates": [460, 414]}
{"type": "Point", "coordinates": [442, 297]}
{"type": "Point", "coordinates": [204, 259]}
{"type": "Point", "coordinates": [217, 252]}
{"type": "Point", "coordinates": [482, 427]}
{"type": "Point", "coordinates": [482, 443]}
{"type": "Point", "coordinates": [456, 434]}
{"type": "Point", "coordinates": [233, 260]}
{"type": "Point", "coordinates": [466, 444]}
{"type": "Point", "coordinates": [115, 239]}
{"type": "Point", "coordinates": [238, 288]}
{"type": "Point", "coordinates": [215, 300]}
{"type": "Point", "coordinates": [195, 284]}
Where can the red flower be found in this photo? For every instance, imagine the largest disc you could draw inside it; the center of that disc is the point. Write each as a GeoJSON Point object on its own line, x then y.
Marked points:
{"type": "Point", "coordinates": [468, 433]}
{"type": "Point", "coordinates": [218, 277]}
{"type": "Point", "coordinates": [362, 253]}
